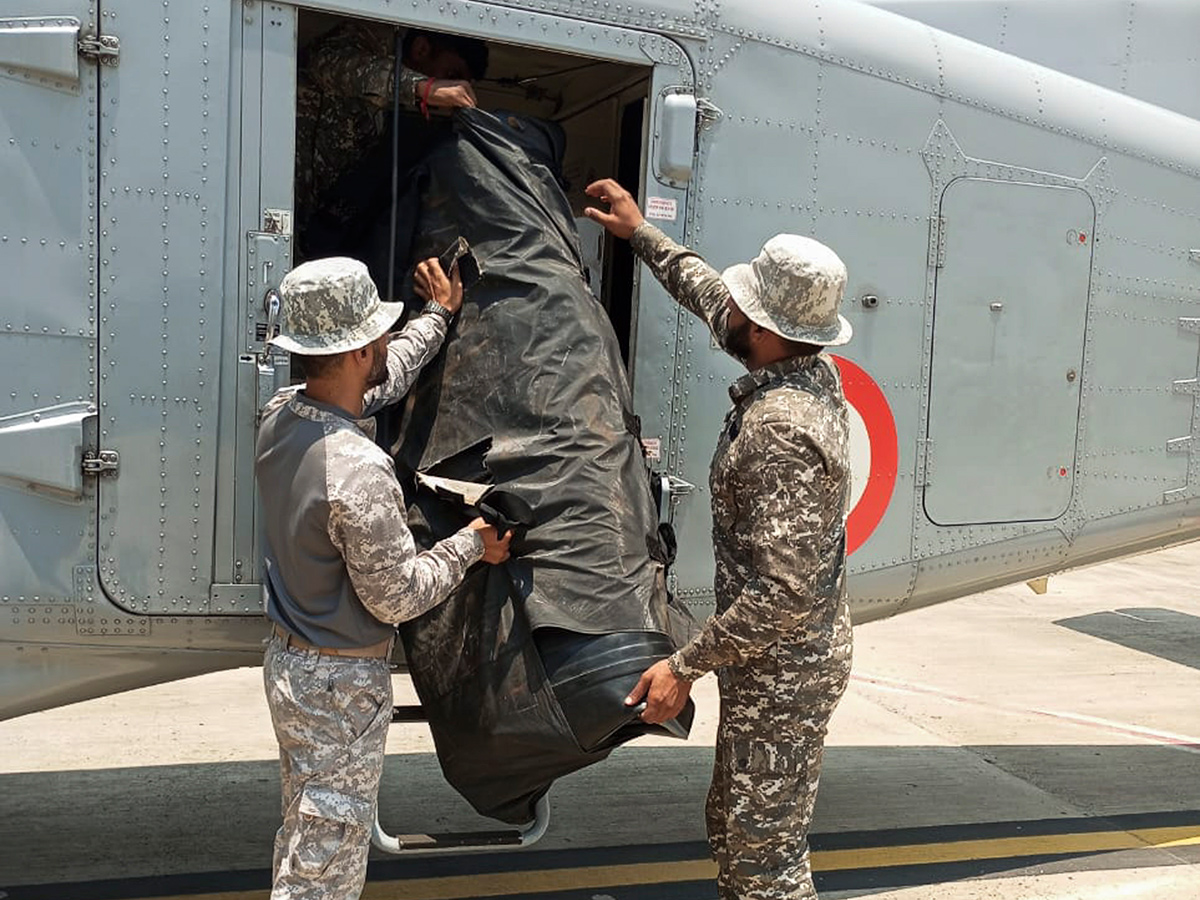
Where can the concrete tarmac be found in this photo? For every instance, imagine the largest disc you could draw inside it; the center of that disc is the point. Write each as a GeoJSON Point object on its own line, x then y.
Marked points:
{"type": "Point", "coordinates": [1006, 745]}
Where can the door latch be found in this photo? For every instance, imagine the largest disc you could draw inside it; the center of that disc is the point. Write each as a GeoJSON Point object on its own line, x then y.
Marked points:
{"type": "Point", "coordinates": [104, 49]}
{"type": "Point", "coordinates": [707, 113]}
{"type": "Point", "coordinates": [672, 489]}
{"type": "Point", "coordinates": [105, 462]}
{"type": "Point", "coordinates": [270, 366]}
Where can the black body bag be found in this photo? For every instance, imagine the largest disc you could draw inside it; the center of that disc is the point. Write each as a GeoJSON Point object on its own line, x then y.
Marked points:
{"type": "Point", "coordinates": [523, 671]}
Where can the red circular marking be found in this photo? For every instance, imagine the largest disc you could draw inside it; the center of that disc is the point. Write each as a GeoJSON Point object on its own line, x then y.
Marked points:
{"type": "Point", "coordinates": [865, 396]}
{"type": "Point", "coordinates": [1082, 238]}
{"type": "Point", "coordinates": [1063, 472]}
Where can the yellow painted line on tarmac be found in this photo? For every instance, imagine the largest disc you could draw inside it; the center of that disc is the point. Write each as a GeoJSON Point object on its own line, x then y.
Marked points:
{"type": "Point", "coordinates": [545, 881]}
{"type": "Point", "coordinates": [1005, 848]}
{"type": "Point", "coordinates": [1161, 838]}
{"type": "Point", "coordinates": [508, 884]}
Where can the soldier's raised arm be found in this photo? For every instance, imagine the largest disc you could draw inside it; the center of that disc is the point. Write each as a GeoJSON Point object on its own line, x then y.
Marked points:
{"type": "Point", "coordinates": [693, 283]}
{"type": "Point", "coordinates": [357, 60]}
{"type": "Point", "coordinates": [419, 341]}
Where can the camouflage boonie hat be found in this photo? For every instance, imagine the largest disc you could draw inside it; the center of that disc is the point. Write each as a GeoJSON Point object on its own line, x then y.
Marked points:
{"type": "Point", "coordinates": [793, 288]}
{"type": "Point", "coordinates": [330, 306]}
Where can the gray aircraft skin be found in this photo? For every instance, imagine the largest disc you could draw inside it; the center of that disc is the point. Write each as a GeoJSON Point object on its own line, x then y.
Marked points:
{"type": "Point", "coordinates": [1023, 248]}
{"type": "Point", "coordinates": [1143, 48]}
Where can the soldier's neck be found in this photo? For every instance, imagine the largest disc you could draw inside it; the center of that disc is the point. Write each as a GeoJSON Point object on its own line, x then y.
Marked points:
{"type": "Point", "coordinates": [771, 348]}
{"type": "Point", "coordinates": [344, 393]}
{"type": "Point", "coordinates": [767, 351]}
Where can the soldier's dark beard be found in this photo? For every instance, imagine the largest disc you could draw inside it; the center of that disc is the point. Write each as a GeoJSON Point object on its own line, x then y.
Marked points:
{"type": "Point", "coordinates": [737, 340]}
{"type": "Point", "coordinates": [379, 370]}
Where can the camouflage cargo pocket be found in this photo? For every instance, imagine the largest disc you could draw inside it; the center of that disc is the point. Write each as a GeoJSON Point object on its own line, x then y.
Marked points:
{"type": "Point", "coordinates": [318, 842]}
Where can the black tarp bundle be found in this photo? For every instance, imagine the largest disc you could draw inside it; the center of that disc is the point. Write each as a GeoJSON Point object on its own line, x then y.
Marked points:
{"type": "Point", "coordinates": [523, 671]}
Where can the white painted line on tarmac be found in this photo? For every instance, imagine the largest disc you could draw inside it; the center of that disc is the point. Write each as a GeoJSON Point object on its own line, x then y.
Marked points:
{"type": "Point", "coordinates": [1165, 738]}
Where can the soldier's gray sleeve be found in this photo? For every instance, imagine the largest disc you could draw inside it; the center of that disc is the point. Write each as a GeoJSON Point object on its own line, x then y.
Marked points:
{"type": "Point", "coordinates": [367, 525]}
{"type": "Point", "coordinates": [408, 353]}
{"type": "Point", "coordinates": [695, 284]}
{"type": "Point", "coordinates": [356, 60]}
{"type": "Point", "coordinates": [783, 491]}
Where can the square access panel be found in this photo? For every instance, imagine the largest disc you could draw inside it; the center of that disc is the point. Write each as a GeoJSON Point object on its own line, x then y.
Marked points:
{"type": "Point", "coordinates": [1010, 310]}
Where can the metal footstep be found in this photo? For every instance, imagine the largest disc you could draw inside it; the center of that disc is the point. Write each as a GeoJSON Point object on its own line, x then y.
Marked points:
{"type": "Point", "coordinates": [414, 713]}
{"type": "Point", "coordinates": [464, 841]}
{"type": "Point", "coordinates": [458, 841]}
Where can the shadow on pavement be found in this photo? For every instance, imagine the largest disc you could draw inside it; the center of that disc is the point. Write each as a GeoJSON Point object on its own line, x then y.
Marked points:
{"type": "Point", "coordinates": [1165, 633]}
{"type": "Point", "coordinates": [164, 830]}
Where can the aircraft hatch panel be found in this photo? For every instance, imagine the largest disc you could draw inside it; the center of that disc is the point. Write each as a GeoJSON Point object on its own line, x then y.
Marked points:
{"type": "Point", "coordinates": [162, 263]}
{"type": "Point", "coordinates": [1010, 311]}
{"type": "Point", "coordinates": [48, 194]}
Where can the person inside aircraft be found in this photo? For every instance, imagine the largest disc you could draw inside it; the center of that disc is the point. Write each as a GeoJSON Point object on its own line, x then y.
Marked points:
{"type": "Point", "coordinates": [341, 566]}
{"type": "Point", "coordinates": [344, 98]}
{"type": "Point", "coordinates": [780, 640]}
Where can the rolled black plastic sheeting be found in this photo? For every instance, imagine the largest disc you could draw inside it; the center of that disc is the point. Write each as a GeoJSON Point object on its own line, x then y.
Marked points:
{"type": "Point", "coordinates": [523, 671]}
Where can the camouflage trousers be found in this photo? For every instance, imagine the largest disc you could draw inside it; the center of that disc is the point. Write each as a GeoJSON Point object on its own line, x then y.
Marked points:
{"type": "Point", "coordinates": [770, 742]}
{"type": "Point", "coordinates": [331, 717]}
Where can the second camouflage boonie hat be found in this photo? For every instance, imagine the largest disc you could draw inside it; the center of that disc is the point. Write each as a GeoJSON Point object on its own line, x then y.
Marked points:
{"type": "Point", "coordinates": [794, 288]}
{"type": "Point", "coordinates": [330, 306]}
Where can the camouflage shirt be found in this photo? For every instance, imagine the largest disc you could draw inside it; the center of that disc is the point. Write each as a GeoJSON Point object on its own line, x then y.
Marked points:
{"type": "Point", "coordinates": [780, 488]}
{"type": "Point", "coordinates": [342, 95]}
{"type": "Point", "coordinates": [341, 565]}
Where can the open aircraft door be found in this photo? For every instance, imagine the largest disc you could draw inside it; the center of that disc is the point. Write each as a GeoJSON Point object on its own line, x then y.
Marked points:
{"type": "Point", "coordinates": [50, 226]}
{"type": "Point", "coordinates": [195, 230]}
{"type": "Point", "coordinates": [261, 229]}
{"type": "Point", "coordinates": [660, 327]}
{"type": "Point", "coordinates": [163, 252]}
{"type": "Point", "coordinates": [657, 144]}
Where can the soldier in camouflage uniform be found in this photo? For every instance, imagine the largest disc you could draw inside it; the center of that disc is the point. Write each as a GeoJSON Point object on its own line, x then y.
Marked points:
{"type": "Point", "coordinates": [341, 565]}
{"type": "Point", "coordinates": [344, 92]}
{"type": "Point", "coordinates": [780, 640]}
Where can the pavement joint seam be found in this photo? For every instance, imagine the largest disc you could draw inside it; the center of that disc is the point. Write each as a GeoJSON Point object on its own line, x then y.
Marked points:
{"type": "Point", "coordinates": [1165, 738]}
